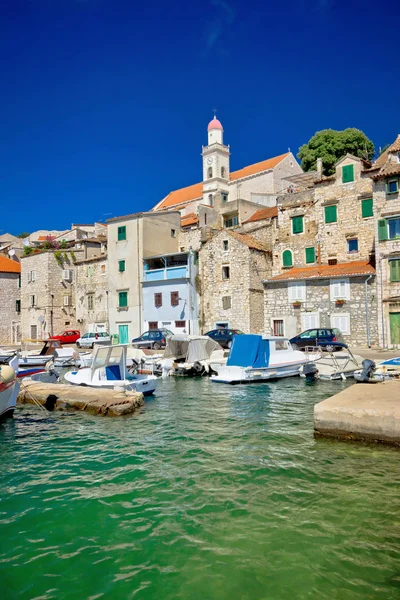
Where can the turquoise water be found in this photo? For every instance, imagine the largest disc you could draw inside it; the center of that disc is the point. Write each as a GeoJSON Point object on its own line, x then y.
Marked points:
{"type": "Point", "coordinates": [211, 492]}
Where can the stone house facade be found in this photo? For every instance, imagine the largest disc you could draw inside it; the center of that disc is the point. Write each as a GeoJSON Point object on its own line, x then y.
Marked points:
{"type": "Point", "coordinates": [324, 248]}
{"type": "Point", "coordinates": [231, 267]}
{"type": "Point", "coordinates": [385, 174]}
{"type": "Point", "coordinates": [47, 294]}
{"type": "Point", "coordinates": [91, 294]}
{"type": "Point", "coordinates": [10, 301]}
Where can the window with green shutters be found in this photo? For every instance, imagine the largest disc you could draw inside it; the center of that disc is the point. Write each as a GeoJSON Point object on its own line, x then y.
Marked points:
{"type": "Point", "coordinates": [331, 214]}
{"type": "Point", "coordinates": [121, 233]}
{"type": "Point", "coordinates": [18, 306]}
{"type": "Point", "coordinates": [121, 266]}
{"type": "Point", "coordinates": [382, 230]}
{"type": "Point", "coordinates": [297, 225]}
{"type": "Point", "coordinates": [287, 258]}
{"type": "Point", "coordinates": [367, 208]}
{"type": "Point", "coordinates": [394, 270]}
{"type": "Point", "coordinates": [310, 255]}
{"type": "Point", "coordinates": [122, 299]}
{"type": "Point", "coordinates": [347, 173]}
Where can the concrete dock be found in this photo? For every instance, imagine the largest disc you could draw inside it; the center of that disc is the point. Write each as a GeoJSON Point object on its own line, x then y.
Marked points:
{"type": "Point", "coordinates": [52, 396]}
{"type": "Point", "coordinates": [361, 412]}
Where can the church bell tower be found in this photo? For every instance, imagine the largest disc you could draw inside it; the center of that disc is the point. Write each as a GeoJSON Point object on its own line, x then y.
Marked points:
{"type": "Point", "coordinates": [215, 164]}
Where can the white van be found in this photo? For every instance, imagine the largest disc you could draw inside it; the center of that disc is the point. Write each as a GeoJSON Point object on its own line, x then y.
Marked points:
{"type": "Point", "coordinates": [88, 340]}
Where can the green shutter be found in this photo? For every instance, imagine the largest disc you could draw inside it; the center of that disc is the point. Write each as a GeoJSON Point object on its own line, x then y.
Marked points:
{"type": "Point", "coordinates": [331, 214]}
{"type": "Point", "coordinates": [18, 306]}
{"type": "Point", "coordinates": [367, 208]}
{"type": "Point", "coordinates": [394, 270]}
{"type": "Point", "coordinates": [123, 299]}
{"type": "Point", "coordinates": [287, 258]}
{"type": "Point", "coordinates": [382, 230]}
{"type": "Point", "coordinates": [310, 255]}
{"type": "Point", "coordinates": [121, 233]}
{"type": "Point", "coordinates": [347, 173]}
{"type": "Point", "coordinates": [297, 225]}
{"type": "Point", "coordinates": [121, 266]}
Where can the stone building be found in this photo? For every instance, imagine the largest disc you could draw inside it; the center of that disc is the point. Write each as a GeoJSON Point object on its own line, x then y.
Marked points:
{"type": "Point", "coordinates": [10, 301]}
{"type": "Point", "coordinates": [385, 174]}
{"type": "Point", "coordinates": [232, 267]}
{"type": "Point", "coordinates": [131, 239]}
{"type": "Point", "coordinates": [323, 256]}
{"type": "Point", "coordinates": [91, 294]}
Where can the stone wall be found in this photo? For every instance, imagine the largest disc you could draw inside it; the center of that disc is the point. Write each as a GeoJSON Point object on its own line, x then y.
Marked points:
{"type": "Point", "coordinates": [10, 320]}
{"type": "Point", "coordinates": [91, 285]}
{"type": "Point", "coordinates": [50, 314]}
{"type": "Point", "coordinates": [190, 238]}
{"type": "Point", "coordinates": [318, 300]}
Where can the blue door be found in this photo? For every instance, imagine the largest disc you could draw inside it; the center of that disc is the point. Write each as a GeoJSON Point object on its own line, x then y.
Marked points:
{"type": "Point", "coordinates": [123, 334]}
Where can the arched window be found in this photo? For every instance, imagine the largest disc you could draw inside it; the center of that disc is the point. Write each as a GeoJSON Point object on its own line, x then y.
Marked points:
{"type": "Point", "coordinates": [223, 171]}
{"type": "Point", "coordinates": [287, 258]}
{"type": "Point", "coordinates": [209, 173]}
{"type": "Point", "coordinates": [210, 200]}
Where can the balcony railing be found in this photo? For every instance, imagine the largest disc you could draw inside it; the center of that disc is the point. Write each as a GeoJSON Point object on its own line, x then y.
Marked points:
{"type": "Point", "coordinates": [168, 273]}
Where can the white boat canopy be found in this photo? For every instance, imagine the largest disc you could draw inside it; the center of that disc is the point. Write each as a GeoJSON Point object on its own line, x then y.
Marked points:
{"type": "Point", "coordinates": [190, 347]}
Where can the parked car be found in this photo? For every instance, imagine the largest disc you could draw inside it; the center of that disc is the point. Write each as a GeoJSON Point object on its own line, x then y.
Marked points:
{"type": "Point", "coordinates": [88, 340]}
{"type": "Point", "coordinates": [223, 336]}
{"type": "Point", "coordinates": [312, 337]}
{"type": "Point", "coordinates": [154, 338]}
{"type": "Point", "coordinates": [69, 336]}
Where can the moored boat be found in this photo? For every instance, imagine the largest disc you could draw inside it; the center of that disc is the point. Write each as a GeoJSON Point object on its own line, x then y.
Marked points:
{"type": "Point", "coordinates": [52, 349]}
{"type": "Point", "coordinates": [9, 388]}
{"type": "Point", "coordinates": [257, 358]}
{"type": "Point", "coordinates": [332, 361]}
{"type": "Point", "coordinates": [376, 372]}
{"type": "Point", "coordinates": [109, 370]}
{"type": "Point", "coordinates": [189, 355]}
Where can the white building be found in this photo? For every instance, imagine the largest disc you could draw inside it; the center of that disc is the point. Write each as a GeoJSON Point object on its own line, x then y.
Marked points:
{"type": "Point", "coordinates": [169, 292]}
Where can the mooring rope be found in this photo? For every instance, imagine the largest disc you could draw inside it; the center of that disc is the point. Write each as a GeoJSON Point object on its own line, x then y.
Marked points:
{"type": "Point", "coordinates": [35, 400]}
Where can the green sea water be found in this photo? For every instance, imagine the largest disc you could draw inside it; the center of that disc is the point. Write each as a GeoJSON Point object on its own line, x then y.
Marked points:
{"type": "Point", "coordinates": [210, 492]}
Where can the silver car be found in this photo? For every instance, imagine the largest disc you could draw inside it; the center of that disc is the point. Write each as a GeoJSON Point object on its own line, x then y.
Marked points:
{"type": "Point", "coordinates": [88, 340]}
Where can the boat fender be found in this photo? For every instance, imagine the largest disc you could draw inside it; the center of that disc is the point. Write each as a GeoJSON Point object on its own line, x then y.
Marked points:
{"type": "Point", "coordinates": [198, 367]}
{"type": "Point", "coordinates": [51, 402]}
{"type": "Point", "coordinates": [7, 374]}
{"type": "Point", "coordinates": [367, 371]}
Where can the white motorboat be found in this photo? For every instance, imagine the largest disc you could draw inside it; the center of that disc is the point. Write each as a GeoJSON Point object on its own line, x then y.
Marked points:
{"type": "Point", "coordinates": [189, 355]}
{"type": "Point", "coordinates": [52, 349]}
{"type": "Point", "coordinates": [9, 388]}
{"type": "Point", "coordinates": [332, 361]}
{"type": "Point", "coordinates": [258, 358]}
{"type": "Point", "coordinates": [109, 370]}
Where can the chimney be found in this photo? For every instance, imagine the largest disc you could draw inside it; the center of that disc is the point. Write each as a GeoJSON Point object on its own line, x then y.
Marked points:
{"type": "Point", "coordinates": [319, 168]}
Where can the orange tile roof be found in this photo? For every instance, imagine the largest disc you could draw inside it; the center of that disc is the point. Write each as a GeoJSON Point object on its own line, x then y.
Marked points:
{"type": "Point", "coordinates": [191, 219]}
{"type": "Point", "coordinates": [194, 192]}
{"type": "Point", "coordinates": [352, 268]}
{"type": "Point", "coordinates": [264, 213]}
{"type": "Point", "coordinates": [9, 266]}
{"type": "Point", "coordinates": [249, 241]}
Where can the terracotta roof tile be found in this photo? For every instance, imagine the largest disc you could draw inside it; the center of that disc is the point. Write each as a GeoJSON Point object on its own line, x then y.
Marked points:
{"type": "Point", "coordinates": [195, 192]}
{"type": "Point", "coordinates": [248, 240]}
{"type": "Point", "coordinates": [352, 268]}
{"type": "Point", "coordinates": [9, 266]}
{"type": "Point", "coordinates": [191, 219]}
{"type": "Point", "coordinates": [395, 147]}
{"type": "Point", "coordinates": [390, 168]}
{"type": "Point", "coordinates": [264, 213]}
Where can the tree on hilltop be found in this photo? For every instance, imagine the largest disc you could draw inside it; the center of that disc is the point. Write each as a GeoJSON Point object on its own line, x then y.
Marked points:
{"type": "Point", "coordinates": [23, 235]}
{"type": "Point", "coordinates": [331, 145]}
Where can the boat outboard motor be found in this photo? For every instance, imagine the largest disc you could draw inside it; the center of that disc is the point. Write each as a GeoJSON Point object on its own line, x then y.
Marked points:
{"type": "Point", "coordinates": [310, 371]}
{"type": "Point", "coordinates": [367, 371]}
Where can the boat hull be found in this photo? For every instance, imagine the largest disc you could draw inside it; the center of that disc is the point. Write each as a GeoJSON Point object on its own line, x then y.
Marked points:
{"type": "Point", "coordinates": [144, 384]}
{"type": "Point", "coordinates": [8, 398]}
{"type": "Point", "coordinates": [236, 375]}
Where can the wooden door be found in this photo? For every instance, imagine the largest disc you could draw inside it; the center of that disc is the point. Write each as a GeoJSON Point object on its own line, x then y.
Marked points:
{"type": "Point", "coordinates": [394, 328]}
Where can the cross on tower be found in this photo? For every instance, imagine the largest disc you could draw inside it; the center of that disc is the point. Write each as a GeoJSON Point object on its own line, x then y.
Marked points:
{"type": "Point", "coordinates": [215, 113]}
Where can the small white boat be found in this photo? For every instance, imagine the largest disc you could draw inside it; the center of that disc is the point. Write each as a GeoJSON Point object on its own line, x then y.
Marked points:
{"type": "Point", "coordinates": [52, 349]}
{"type": "Point", "coordinates": [258, 358]}
{"type": "Point", "coordinates": [376, 372]}
{"type": "Point", "coordinates": [9, 388]}
{"type": "Point", "coordinates": [109, 370]}
{"type": "Point", "coordinates": [332, 361]}
{"type": "Point", "coordinates": [189, 355]}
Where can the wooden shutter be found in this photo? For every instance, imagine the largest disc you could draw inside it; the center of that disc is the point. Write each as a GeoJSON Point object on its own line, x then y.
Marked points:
{"type": "Point", "coordinates": [331, 214]}
{"type": "Point", "coordinates": [296, 291]}
{"type": "Point", "coordinates": [287, 258]}
{"type": "Point", "coordinates": [157, 300]}
{"type": "Point", "coordinates": [394, 270]}
{"type": "Point", "coordinates": [297, 224]}
{"type": "Point", "coordinates": [121, 233]}
{"type": "Point", "coordinates": [382, 230]}
{"type": "Point", "coordinates": [347, 173]}
{"type": "Point", "coordinates": [174, 298]}
{"type": "Point", "coordinates": [121, 264]}
{"type": "Point", "coordinates": [310, 255]}
{"type": "Point", "coordinates": [123, 299]}
{"type": "Point", "coordinates": [367, 208]}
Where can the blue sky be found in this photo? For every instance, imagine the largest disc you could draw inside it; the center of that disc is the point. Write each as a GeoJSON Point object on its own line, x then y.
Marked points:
{"type": "Point", "coordinates": [105, 103]}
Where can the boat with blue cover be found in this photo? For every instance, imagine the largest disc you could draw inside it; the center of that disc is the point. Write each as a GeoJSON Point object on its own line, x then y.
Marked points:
{"type": "Point", "coordinates": [256, 358]}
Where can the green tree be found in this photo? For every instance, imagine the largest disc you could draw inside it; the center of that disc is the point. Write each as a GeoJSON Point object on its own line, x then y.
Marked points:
{"type": "Point", "coordinates": [23, 235]}
{"type": "Point", "coordinates": [331, 145]}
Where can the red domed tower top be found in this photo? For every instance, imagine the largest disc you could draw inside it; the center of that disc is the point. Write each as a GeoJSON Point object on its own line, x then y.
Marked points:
{"type": "Point", "coordinates": [214, 124]}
